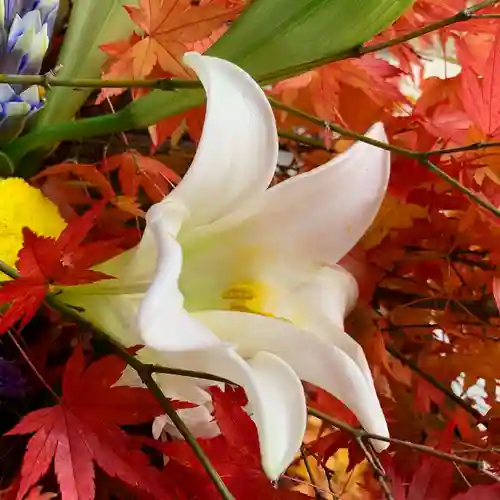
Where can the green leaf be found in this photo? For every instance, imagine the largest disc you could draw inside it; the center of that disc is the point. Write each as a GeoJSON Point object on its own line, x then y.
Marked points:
{"type": "Point", "coordinates": [92, 23]}
{"type": "Point", "coordinates": [272, 39]}
{"type": "Point", "coordinates": [279, 38]}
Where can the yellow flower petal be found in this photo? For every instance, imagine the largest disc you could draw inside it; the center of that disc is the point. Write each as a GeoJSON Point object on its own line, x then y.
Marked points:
{"type": "Point", "coordinates": [22, 205]}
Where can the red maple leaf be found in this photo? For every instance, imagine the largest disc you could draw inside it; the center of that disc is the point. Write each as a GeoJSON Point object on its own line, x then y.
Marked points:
{"type": "Point", "coordinates": [483, 492]}
{"type": "Point", "coordinates": [235, 455]}
{"type": "Point", "coordinates": [45, 262]}
{"type": "Point", "coordinates": [136, 171]}
{"type": "Point", "coordinates": [84, 427]}
{"type": "Point", "coordinates": [169, 27]}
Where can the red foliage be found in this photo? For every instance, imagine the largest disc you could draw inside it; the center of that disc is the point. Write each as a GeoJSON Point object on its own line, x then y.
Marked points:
{"type": "Point", "coordinates": [84, 427]}
{"type": "Point", "coordinates": [428, 314]}
{"type": "Point", "coordinates": [44, 262]}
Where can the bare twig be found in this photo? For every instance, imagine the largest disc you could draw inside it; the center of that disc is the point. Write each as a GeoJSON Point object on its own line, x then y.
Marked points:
{"type": "Point", "coordinates": [421, 157]}
{"type": "Point", "coordinates": [185, 373]}
{"type": "Point", "coordinates": [317, 494]}
{"type": "Point", "coordinates": [377, 467]}
{"type": "Point", "coordinates": [146, 376]}
{"type": "Point", "coordinates": [477, 465]}
{"type": "Point", "coordinates": [463, 15]}
{"type": "Point", "coordinates": [438, 385]}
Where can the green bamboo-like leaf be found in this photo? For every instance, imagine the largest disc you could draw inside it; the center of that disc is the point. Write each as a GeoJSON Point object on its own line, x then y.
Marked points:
{"type": "Point", "coordinates": [272, 39]}
{"type": "Point", "coordinates": [92, 23]}
{"type": "Point", "coordinates": [275, 39]}
{"type": "Point", "coordinates": [278, 38]}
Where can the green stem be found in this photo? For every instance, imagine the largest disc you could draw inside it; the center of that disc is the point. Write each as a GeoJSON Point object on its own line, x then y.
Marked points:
{"type": "Point", "coordinates": [52, 134]}
{"type": "Point", "coordinates": [146, 376]}
{"type": "Point", "coordinates": [50, 80]}
{"type": "Point", "coordinates": [122, 121]}
{"type": "Point", "coordinates": [474, 146]}
{"type": "Point", "coordinates": [303, 139]}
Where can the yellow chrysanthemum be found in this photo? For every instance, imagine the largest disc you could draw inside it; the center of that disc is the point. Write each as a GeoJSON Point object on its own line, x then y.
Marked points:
{"type": "Point", "coordinates": [22, 205]}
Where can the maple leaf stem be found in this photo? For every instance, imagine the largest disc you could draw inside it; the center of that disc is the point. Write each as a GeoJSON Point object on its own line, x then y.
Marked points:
{"type": "Point", "coordinates": [420, 156]}
{"type": "Point", "coordinates": [360, 434]}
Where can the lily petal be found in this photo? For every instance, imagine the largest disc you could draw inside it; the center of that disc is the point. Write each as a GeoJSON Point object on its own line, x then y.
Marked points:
{"type": "Point", "coordinates": [320, 215]}
{"type": "Point", "coordinates": [313, 359]}
{"type": "Point", "coordinates": [237, 154]}
{"type": "Point", "coordinates": [324, 301]}
{"type": "Point", "coordinates": [275, 395]}
{"type": "Point", "coordinates": [163, 322]}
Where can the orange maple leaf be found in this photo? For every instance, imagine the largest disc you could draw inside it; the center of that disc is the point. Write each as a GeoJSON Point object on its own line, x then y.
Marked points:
{"type": "Point", "coordinates": [329, 92]}
{"type": "Point", "coordinates": [168, 26]}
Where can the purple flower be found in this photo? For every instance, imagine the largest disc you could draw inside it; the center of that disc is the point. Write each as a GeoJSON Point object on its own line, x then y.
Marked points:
{"type": "Point", "coordinates": [12, 382]}
{"type": "Point", "coordinates": [25, 30]}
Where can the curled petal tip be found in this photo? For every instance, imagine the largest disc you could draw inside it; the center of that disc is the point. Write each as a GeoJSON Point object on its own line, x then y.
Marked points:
{"type": "Point", "coordinates": [237, 154]}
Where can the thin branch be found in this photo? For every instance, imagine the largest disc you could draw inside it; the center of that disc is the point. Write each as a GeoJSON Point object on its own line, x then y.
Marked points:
{"type": "Point", "coordinates": [317, 494]}
{"type": "Point", "coordinates": [486, 16]}
{"type": "Point", "coordinates": [303, 139]}
{"type": "Point", "coordinates": [477, 465]}
{"type": "Point", "coordinates": [146, 376]}
{"type": "Point", "coordinates": [463, 15]}
{"type": "Point", "coordinates": [185, 373]}
{"type": "Point", "coordinates": [483, 308]}
{"type": "Point", "coordinates": [33, 368]}
{"type": "Point", "coordinates": [421, 157]}
{"type": "Point", "coordinates": [438, 385]}
{"type": "Point", "coordinates": [474, 146]}
{"type": "Point", "coordinates": [378, 470]}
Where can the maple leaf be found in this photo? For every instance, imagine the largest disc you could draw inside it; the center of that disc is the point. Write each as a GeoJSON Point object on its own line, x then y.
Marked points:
{"type": "Point", "coordinates": [483, 492]}
{"type": "Point", "coordinates": [329, 91]}
{"type": "Point", "coordinates": [481, 97]}
{"type": "Point", "coordinates": [84, 427]}
{"type": "Point", "coordinates": [136, 171]}
{"type": "Point", "coordinates": [44, 262]}
{"type": "Point", "coordinates": [37, 494]}
{"type": "Point", "coordinates": [87, 173]}
{"type": "Point", "coordinates": [169, 26]}
{"type": "Point", "coordinates": [235, 455]}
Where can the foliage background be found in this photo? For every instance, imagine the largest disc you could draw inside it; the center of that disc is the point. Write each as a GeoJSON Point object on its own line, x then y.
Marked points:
{"type": "Point", "coordinates": [428, 269]}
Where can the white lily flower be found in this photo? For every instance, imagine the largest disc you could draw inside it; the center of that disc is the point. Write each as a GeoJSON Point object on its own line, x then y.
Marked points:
{"type": "Point", "coordinates": [241, 281]}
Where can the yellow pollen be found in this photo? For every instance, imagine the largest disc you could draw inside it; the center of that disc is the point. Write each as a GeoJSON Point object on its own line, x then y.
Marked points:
{"type": "Point", "coordinates": [247, 297]}
{"type": "Point", "coordinates": [22, 205]}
